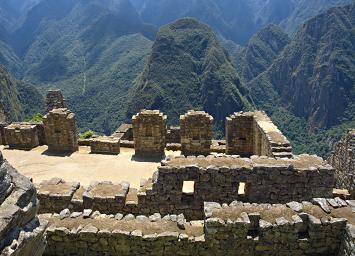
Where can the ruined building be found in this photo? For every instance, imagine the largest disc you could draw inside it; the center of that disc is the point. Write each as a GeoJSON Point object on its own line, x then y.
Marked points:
{"type": "Point", "coordinates": [254, 197]}
{"type": "Point", "coordinates": [55, 100]}
{"type": "Point", "coordinates": [149, 133]}
{"type": "Point", "coordinates": [60, 129]}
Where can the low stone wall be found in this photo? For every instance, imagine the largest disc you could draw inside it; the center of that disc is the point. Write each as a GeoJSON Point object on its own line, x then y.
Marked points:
{"type": "Point", "coordinates": [342, 159]}
{"type": "Point", "coordinates": [21, 232]}
{"type": "Point", "coordinates": [105, 145]}
{"type": "Point", "coordinates": [238, 228]}
{"type": "Point", "coordinates": [259, 179]}
{"type": "Point", "coordinates": [21, 135]}
{"type": "Point", "coordinates": [2, 133]}
{"type": "Point", "coordinates": [124, 132]}
{"type": "Point", "coordinates": [56, 194]}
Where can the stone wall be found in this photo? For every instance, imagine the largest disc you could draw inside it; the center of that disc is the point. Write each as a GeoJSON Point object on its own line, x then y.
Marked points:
{"type": "Point", "coordinates": [21, 232]}
{"type": "Point", "coordinates": [21, 135]}
{"type": "Point", "coordinates": [55, 100]}
{"type": "Point", "coordinates": [342, 159]}
{"type": "Point", "coordinates": [2, 133]}
{"type": "Point", "coordinates": [234, 229]}
{"type": "Point", "coordinates": [105, 145]}
{"type": "Point", "coordinates": [61, 131]}
{"type": "Point", "coordinates": [348, 244]}
{"type": "Point", "coordinates": [253, 133]}
{"type": "Point", "coordinates": [260, 179]}
{"type": "Point", "coordinates": [196, 131]}
{"type": "Point", "coordinates": [149, 133]}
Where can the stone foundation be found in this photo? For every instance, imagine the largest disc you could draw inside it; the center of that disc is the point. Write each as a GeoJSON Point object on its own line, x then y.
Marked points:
{"type": "Point", "coordinates": [196, 130]}
{"type": "Point", "coordinates": [60, 129]}
{"type": "Point", "coordinates": [253, 133]}
{"type": "Point", "coordinates": [343, 160]}
{"type": "Point", "coordinates": [55, 100]}
{"type": "Point", "coordinates": [105, 145]}
{"type": "Point", "coordinates": [149, 133]}
{"type": "Point", "coordinates": [21, 135]}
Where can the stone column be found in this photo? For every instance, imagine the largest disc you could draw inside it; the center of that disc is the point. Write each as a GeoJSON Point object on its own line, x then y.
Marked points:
{"type": "Point", "coordinates": [196, 130]}
{"type": "Point", "coordinates": [149, 133]}
{"type": "Point", "coordinates": [55, 99]}
{"type": "Point", "coordinates": [60, 129]}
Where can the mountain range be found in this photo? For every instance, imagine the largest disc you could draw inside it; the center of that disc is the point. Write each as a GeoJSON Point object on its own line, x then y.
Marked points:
{"type": "Point", "coordinates": [291, 58]}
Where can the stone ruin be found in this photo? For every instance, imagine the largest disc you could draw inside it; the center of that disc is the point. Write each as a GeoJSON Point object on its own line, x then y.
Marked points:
{"type": "Point", "coordinates": [21, 135]}
{"type": "Point", "coordinates": [253, 198]}
{"type": "Point", "coordinates": [21, 231]}
{"type": "Point", "coordinates": [196, 131]}
{"type": "Point", "coordinates": [149, 133]}
{"type": "Point", "coordinates": [55, 100]}
{"type": "Point", "coordinates": [342, 159]}
{"type": "Point", "coordinates": [253, 133]}
{"type": "Point", "coordinates": [60, 129]}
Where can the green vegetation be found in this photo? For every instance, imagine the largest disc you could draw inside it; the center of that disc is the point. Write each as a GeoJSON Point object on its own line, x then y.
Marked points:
{"type": "Point", "coordinates": [38, 117]}
{"type": "Point", "coordinates": [303, 90]}
{"type": "Point", "coordinates": [188, 69]}
{"type": "Point", "coordinates": [87, 135]}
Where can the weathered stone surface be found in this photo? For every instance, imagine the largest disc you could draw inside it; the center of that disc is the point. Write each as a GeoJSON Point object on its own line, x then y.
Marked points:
{"type": "Point", "coordinates": [322, 202]}
{"type": "Point", "coordinates": [61, 131]}
{"type": "Point", "coordinates": [22, 135]}
{"type": "Point", "coordinates": [149, 133]}
{"type": "Point", "coordinates": [55, 100]}
{"type": "Point", "coordinates": [297, 207]}
{"type": "Point", "coordinates": [196, 131]}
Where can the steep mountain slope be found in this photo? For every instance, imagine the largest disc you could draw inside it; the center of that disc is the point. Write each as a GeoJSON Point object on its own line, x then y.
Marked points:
{"type": "Point", "coordinates": [17, 99]}
{"type": "Point", "coordinates": [235, 20]}
{"type": "Point", "coordinates": [261, 51]}
{"type": "Point", "coordinates": [314, 76]}
{"type": "Point", "coordinates": [310, 86]}
{"type": "Point", "coordinates": [188, 69]}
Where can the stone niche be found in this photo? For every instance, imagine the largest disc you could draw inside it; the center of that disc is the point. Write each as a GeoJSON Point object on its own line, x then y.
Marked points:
{"type": "Point", "coordinates": [149, 133]}
{"type": "Point", "coordinates": [21, 135]}
{"type": "Point", "coordinates": [196, 130]}
{"type": "Point", "coordinates": [60, 129]}
{"type": "Point", "coordinates": [55, 100]}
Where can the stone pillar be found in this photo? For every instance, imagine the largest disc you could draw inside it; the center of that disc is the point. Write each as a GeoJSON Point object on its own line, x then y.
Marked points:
{"type": "Point", "coordinates": [196, 131]}
{"type": "Point", "coordinates": [55, 99]}
{"type": "Point", "coordinates": [239, 134]}
{"type": "Point", "coordinates": [149, 133]}
{"type": "Point", "coordinates": [60, 129]}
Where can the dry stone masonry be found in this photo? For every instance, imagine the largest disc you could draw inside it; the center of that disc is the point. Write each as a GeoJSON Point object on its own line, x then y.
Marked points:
{"type": "Point", "coordinates": [196, 131]}
{"type": "Point", "coordinates": [253, 133]}
{"type": "Point", "coordinates": [149, 133]}
{"type": "Point", "coordinates": [21, 135]}
{"type": "Point", "coordinates": [60, 129]}
{"type": "Point", "coordinates": [55, 100]}
{"type": "Point", "coordinates": [343, 160]}
{"type": "Point", "coordinates": [105, 145]}
{"type": "Point", "coordinates": [21, 232]}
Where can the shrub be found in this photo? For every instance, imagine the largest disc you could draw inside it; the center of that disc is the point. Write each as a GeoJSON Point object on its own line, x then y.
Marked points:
{"type": "Point", "coordinates": [87, 135]}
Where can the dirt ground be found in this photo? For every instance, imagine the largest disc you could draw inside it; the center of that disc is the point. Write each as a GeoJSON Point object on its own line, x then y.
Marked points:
{"type": "Point", "coordinates": [81, 166]}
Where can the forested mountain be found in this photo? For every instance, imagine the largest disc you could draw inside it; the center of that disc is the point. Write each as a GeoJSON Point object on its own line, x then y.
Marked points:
{"type": "Point", "coordinates": [235, 20]}
{"type": "Point", "coordinates": [312, 80]}
{"type": "Point", "coordinates": [261, 50]}
{"type": "Point", "coordinates": [17, 99]}
{"type": "Point", "coordinates": [188, 69]}
{"type": "Point", "coordinates": [101, 54]}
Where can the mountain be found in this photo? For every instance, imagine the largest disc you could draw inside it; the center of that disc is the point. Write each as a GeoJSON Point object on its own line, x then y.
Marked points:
{"type": "Point", "coordinates": [235, 20]}
{"type": "Point", "coordinates": [17, 99]}
{"type": "Point", "coordinates": [310, 85]}
{"type": "Point", "coordinates": [261, 50]}
{"type": "Point", "coordinates": [188, 69]}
